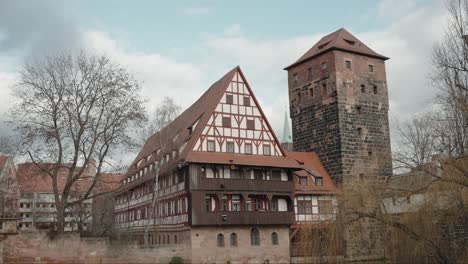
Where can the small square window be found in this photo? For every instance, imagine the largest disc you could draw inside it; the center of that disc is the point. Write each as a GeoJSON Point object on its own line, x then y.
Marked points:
{"type": "Point", "coordinates": [211, 145]}
{"type": "Point", "coordinates": [324, 65]}
{"type": "Point", "coordinates": [359, 130]}
{"type": "Point", "coordinates": [371, 68]}
{"type": "Point", "coordinates": [363, 88]}
{"type": "Point", "coordinates": [348, 64]}
{"type": "Point", "coordinates": [226, 121]}
{"type": "Point", "coordinates": [303, 181]}
{"type": "Point", "coordinates": [230, 147]}
{"type": "Point", "coordinates": [246, 101]}
{"type": "Point", "coordinates": [319, 181]}
{"type": "Point", "coordinates": [248, 148]}
{"type": "Point", "coordinates": [266, 150]}
{"type": "Point", "coordinates": [229, 99]}
{"type": "Point", "coordinates": [251, 124]}
{"type": "Point", "coordinates": [309, 74]}
{"type": "Point", "coordinates": [359, 109]}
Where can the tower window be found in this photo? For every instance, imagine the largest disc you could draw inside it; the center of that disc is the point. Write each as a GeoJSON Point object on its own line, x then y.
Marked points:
{"type": "Point", "coordinates": [324, 65]}
{"type": "Point", "coordinates": [226, 121]}
{"type": "Point", "coordinates": [311, 92]}
{"type": "Point", "coordinates": [348, 64]}
{"type": "Point", "coordinates": [274, 238]}
{"type": "Point", "coordinates": [369, 153]}
{"type": "Point", "coordinates": [246, 101]}
{"type": "Point", "coordinates": [359, 130]}
{"type": "Point", "coordinates": [363, 88]}
{"type": "Point", "coordinates": [229, 99]}
{"type": "Point", "coordinates": [370, 68]}
{"type": "Point", "coordinates": [295, 78]}
{"type": "Point", "coordinates": [309, 74]}
{"type": "Point", "coordinates": [359, 109]}
{"type": "Point", "coordinates": [324, 89]}
{"type": "Point", "coordinates": [376, 90]}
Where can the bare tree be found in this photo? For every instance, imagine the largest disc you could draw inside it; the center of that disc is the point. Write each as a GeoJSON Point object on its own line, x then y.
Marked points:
{"type": "Point", "coordinates": [450, 59]}
{"type": "Point", "coordinates": [163, 114]}
{"type": "Point", "coordinates": [73, 109]}
{"type": "Point", "coordinates": [417, 143]}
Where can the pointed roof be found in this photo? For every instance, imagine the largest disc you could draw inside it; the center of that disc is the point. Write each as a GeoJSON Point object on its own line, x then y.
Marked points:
{"type": "Point", "coordinates": [287, 137]}
{"type": "Point", "coordinates": [182, 133]}
{"type": "Point", "coordinates": [338, 40]}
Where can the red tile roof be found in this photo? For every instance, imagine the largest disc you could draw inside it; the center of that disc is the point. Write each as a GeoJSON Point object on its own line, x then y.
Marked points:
{"type": "Point", "coordinates": [177, 134]}
{"type": "Point", "coordinates": [32, 179]}
{"type": "Point", "coordinates": [338, 40]}
{"type": "Point", "coordinates": [312, 165]}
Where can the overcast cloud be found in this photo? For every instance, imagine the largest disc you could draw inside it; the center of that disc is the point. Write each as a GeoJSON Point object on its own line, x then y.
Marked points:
{"type": "Point", "coordinates": [29, 28]}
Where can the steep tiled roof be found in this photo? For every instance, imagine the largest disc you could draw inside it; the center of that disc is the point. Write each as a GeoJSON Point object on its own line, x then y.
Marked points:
{"type": "Point", "coordinates": [312, 165]}
{"type": "Point", "coordinates": [32, 179]}
{"type": "Point", "coordinates": [181, 135]}
{"type": "Point", "coordinates": [338, 40]}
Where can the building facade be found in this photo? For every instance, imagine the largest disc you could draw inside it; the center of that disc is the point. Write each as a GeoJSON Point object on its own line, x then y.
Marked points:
{"type": "Point", "coordinates": [339, 107]}
{"type": "Point", "coordinates": [216, 180]}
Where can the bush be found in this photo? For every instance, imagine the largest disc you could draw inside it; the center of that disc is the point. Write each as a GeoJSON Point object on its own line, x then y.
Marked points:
{"type": "Point", "coordinates": [177, 260]}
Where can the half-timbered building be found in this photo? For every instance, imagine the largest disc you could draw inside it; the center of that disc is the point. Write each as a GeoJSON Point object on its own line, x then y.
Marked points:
{"type": "Point", "coordinates": [216, 180]}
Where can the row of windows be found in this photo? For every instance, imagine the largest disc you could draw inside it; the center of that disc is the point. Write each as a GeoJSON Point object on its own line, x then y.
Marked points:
{"type": "Point", "coordinates": [234, 203]}
{"type": "Point", "coordinates": [324, 66]}
{"type": "Point", "coordinates": [234, 172]}
{"type": "Point", "coordinates": [254, 239]}
{"type": "Point", "coordinates": [318, 181]}
{"type": "Point", "coordinates": [305, 207]}
{"type": "Point", "coordinates": [227, 122]}
{"type": "Point", "coordinates": [230, 100]}
{"type": "Point", "coordinates": [230, 147]}
{"type": "Point", "coordinates": [163, 209]}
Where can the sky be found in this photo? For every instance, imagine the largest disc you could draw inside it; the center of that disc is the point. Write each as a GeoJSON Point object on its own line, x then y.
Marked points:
{"type": "Point", "coordinates": [179, 48]}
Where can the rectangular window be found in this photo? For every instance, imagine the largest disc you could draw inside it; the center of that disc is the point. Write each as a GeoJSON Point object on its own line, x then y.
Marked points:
{"type": "Point", "coordinates": [276, 175]}
{"type": "Point", "coordinates": [258, 174]}
{"type": "Point", "coordinates": [251, 124]}
{"type": "Point", "coordinates": [371, 68]}
{"type": "Point", "coordinates": [363, 88]}
{"type": "Point", "coordinates": [208, 203]}
{"type": "Point", "coordinates": [308, 207]}
{"type": "Point", "coordinates": [309, 74]}
{"type": "Point", "coordinates": [358, 109]}
{"type": "Point", "coordinates": [324, 66]}
{"type": "Point", "coordinates": [348, 64]}
{"type": "Point", "coordinates": [226, 121]}
{"type": "Point", "coordinates": [258, 204]}
{"type": "Point", "coordinates": [318, 181]}
{"type": "Point", "coordinates": [303, 181]}
{"type": "Point", "coordinates": [376, 91]}
{"type": "Point", "coordinates": [229, 99]}
{"type": "Point", "coordinates": [248, 148]}
{"type": "Point", "coordinates": [266, 150]}
{"type": "Point", "coordinates": [311, 91]}
{"type": "Point", "coordinates": [211, 145]}
{"type": "Point", "coordinates": [230, 147]}
{"type": "Point", "coordinates": [300, 207]}
{"type": "Point", "coordinates": [274, 205]}
{"type": "Point", "coordinates": [225, 205]}
{"type": "Point", "coordinates": [324, 89]}
{"type": "Point", "coordinates": [248, 205]}
{"type": "Point", "coordinates": [359, 130]}
{"type": "Point", "coordinates": [246, 101]}
{"type": "Point", "coordinates": [236, 174]}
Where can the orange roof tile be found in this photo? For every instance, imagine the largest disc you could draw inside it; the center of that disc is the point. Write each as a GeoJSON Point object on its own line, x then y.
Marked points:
{"type": "Point", "coordinates": [312, 165]}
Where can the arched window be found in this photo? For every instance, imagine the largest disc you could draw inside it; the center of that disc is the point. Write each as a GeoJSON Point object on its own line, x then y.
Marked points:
{"type": "Point", "coordinates": [233, 240]}
{"type": "Point", "coordinates": [175, 239]}
{"type": "Point", "coordinates": [254, 237]}
{"type": "Point", "coordinates": [164, 239]}
{"type": "Point", "coordinates": [274, 238]}
{"type": "Point", "coordinates": [220, 240]}
{"type": "Point", "coordinates": [168, 239]}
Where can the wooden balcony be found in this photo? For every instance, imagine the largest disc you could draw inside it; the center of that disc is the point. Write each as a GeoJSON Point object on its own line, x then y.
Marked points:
{"type": "Point", "coordinates": [242, 218]}
{"type": "Point", "coordinates": [242, 185]}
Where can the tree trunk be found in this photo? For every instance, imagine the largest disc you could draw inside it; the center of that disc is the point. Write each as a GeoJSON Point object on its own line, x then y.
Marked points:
{"type": "Point", "coordinates": [60, 226]}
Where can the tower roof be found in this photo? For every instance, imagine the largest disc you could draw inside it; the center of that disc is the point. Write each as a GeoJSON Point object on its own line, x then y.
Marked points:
{"type": "Point", "coordinates": [287, 137]}
{"type": "Point", "coordinates": [338, 40]}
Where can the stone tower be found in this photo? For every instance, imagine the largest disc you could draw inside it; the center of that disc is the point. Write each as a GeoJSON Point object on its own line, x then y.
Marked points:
{"type": "Point", "coordinates": [338, 104]}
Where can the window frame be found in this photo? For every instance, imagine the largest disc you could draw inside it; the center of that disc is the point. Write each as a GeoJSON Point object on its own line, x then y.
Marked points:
{"type": "Point", "coordinates": [229, 99]}
{"type": "Point", "coordinates": [208, 143]}
{"type": "Point", "coordinates": [225, 122]}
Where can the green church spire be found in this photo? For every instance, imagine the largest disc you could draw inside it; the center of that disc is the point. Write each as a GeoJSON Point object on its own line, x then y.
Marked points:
{"type": "Point", "coordinates": [287, 137]}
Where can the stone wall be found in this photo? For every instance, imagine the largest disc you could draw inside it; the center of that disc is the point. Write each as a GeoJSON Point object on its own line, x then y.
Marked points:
{"type": "Point", "coordinates": [206, 250]}
{"type": "Point", "coordinates": [36, 247]}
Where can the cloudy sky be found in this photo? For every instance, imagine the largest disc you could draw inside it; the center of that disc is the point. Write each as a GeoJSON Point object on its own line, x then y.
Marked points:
{"type": "Point", "coordinates": [180, 49]}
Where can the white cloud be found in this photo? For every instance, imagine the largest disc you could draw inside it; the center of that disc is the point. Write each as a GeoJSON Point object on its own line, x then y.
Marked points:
{"type": "Point", "coordinates": [408, 42]}
{"type": "Point", "coordinates": [197, 11]}
{"type": "Point", "coordinates": [159, 75]}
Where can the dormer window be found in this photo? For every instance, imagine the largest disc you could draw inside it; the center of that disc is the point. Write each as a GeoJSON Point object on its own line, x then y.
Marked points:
{"type": "Point", "coordinates": [303, 181]}
{"type": "Point", "coordinates": [319, 181]}
{"type": "Point", "coordinates": [350, 42]}
{"type": "Point", "coordinates": [323, 45]}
